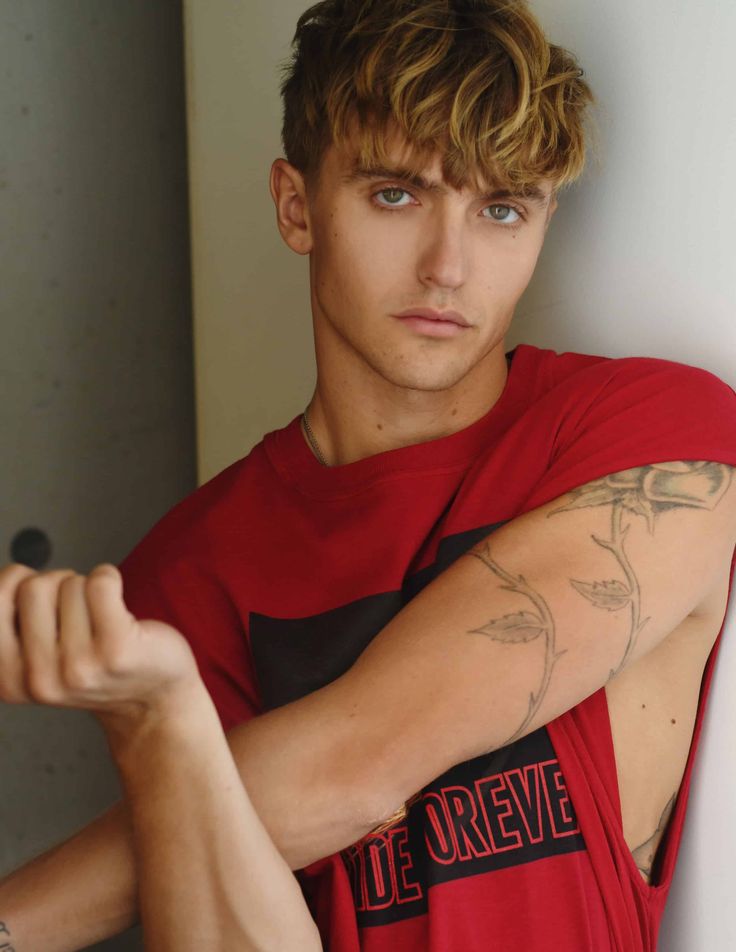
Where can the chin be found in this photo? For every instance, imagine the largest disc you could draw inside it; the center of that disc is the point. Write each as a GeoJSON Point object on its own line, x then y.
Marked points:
{"type": "Point", "coordinates": [423, 378]}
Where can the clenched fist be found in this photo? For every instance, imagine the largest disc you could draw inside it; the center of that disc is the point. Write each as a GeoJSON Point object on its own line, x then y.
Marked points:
{"type": "Point", "coordinates": [68, 640]}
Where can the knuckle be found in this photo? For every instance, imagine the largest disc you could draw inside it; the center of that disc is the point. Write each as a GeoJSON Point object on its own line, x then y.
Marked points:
{"type": "Point", "coordinates": [115, 657]}
{"type": "Point", "coordinates": [97, 582]}
{"type": "Point", "coordinates": [12, 571]}
{"type": "Point", "coordinates": [109, 570]}
{"type": "Point", "coordinates": [78, 674]}
{"type": "Point", "coordinates": [28, 588]}
{"type": "Point", "coordinates": [41, 687]}
{"type": "Point", "coordinates": [57, 575]}
{"type": "Point", "coordinates": [12, 694]}
{"type": "Point", "coordinates": [33, 589]}
{"type": "Point", "coordinates": [44, 580]}
{"type": "Point", "coordinates": [40, 586]}
{"type": "Point", "coordinates": [12, 672]}
{"type": "Point", "coordinates": [8, 684]}
{"type": "Point", "coordinates": [71, 582]}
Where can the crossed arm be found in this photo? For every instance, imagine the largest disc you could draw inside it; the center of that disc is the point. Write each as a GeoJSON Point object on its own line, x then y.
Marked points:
{"type": "Point", "coordinates": [518, 630]}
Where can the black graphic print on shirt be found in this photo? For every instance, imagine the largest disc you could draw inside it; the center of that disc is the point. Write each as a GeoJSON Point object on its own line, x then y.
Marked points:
{"type": "Point", "coordinates": [503, 809]}
{"type": "Point", "coordinates": [499, 810]}
{"type": "Point", "coordinates": [295, 656]}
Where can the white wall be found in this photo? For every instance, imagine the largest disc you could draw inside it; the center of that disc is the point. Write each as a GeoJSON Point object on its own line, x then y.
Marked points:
{"type": "Point", "coordinates": [640, 255]}
{"type": "Point", "coordinates": [638, 261]}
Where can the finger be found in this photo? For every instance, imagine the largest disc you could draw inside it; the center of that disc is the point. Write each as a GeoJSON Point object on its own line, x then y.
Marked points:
{"type": "Point", "coordinates": [77, 667]}
{"type": "Point", "coordinates": [37, 626]}
{"type": "Point", "coordinates": [12, 678]}
{"type": "Point", "coordinates": [75, 626]}
{"type": "Point", "coordinates": [107, 610]}
{"type": "Point", "coordinates": [11, 574]}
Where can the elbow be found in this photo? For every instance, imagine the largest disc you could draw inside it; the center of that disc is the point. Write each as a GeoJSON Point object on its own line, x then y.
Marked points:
{"type": "Point", "coordinates": [376, 803]}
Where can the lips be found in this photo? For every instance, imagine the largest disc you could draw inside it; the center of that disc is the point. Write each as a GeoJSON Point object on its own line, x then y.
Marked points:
{"type": "Point", "coordinates": [428, 313]}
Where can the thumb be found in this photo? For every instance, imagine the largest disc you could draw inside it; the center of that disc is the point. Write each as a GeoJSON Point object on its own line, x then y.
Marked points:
{"type": "Point", "coordinates": [105, 603]}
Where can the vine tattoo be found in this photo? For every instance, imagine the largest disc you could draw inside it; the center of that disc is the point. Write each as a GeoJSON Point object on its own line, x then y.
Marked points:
{"type": "Point", "coordinates": [646, 491]}
{"type": "Point", "coordinates": [521, 628]}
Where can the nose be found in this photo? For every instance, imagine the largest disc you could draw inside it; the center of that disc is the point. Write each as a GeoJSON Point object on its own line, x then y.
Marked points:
{"type": "Point", "coordinates": [443, 257]}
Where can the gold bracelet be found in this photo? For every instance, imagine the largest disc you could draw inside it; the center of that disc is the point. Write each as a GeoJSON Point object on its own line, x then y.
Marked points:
{"type": "Point", "coordinates": [400, 814]}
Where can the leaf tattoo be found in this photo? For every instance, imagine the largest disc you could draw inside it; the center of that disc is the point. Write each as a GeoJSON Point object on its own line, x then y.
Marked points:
{"type": "Point", "coordinates": [645, 491]}
{"type": "Point", "coordinates": [612, 595]}
{"type": "Point", "coordinates": [520, 628]}
{"type": "Point", "coordinates": [513, 629]}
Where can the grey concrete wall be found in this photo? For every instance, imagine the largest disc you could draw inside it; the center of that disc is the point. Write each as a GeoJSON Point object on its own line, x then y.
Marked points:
{"type": "Point", "coordinates": [96, 391]}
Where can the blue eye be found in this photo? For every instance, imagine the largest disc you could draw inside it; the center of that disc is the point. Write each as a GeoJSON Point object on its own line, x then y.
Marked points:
{"type": "Point", "coordinates": [505, 218]}
{"type": "Point", "coordinates": [395, 197]}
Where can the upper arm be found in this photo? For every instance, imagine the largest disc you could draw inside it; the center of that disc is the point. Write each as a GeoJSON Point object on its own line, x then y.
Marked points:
{"type": "Point", "coordinates": [535, 618]}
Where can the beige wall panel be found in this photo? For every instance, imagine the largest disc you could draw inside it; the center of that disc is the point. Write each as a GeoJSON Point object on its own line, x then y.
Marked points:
{"type": "Point", "coordinates": [254, 360]}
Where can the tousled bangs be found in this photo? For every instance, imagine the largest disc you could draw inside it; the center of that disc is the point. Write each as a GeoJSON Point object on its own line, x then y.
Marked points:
{"type": "Point", "coordinates": [476, 80]}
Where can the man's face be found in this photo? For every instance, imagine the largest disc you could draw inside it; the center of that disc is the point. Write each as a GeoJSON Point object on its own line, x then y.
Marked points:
{"type": "Point", "coordinates": [383, 244]}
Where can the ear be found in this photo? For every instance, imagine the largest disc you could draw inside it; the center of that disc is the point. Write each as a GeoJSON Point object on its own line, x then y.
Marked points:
{"type": "Point", "coordinates": [288, 191]}
{"type": "Point", "coordinates": [551, 209]}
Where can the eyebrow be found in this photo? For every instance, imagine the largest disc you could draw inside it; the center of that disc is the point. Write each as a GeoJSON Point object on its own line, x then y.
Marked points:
{"type": "Point", "coordinates": [532, 194]}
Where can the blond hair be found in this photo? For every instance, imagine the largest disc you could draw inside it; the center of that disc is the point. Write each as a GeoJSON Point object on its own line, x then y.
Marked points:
{"type": "Point", "coordinates": [476, 79]}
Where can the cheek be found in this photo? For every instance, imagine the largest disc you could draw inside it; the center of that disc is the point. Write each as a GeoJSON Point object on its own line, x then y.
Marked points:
{"type": "Point", "coordinates": [336, 277]}
{"type": "Point", "coordinates": [358, 262]}
{"type": "Point", "coordinates": [513, 263]}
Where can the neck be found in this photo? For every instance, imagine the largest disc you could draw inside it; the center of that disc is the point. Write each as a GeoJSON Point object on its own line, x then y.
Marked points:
{"type": "Point", "coordinates": [349, 424]}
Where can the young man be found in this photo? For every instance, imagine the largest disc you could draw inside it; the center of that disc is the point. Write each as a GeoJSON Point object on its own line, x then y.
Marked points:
{"type": "Point", "coordinates": [486, 585]}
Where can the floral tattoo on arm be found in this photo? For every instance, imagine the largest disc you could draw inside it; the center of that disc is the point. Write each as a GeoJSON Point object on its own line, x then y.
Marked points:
{"type": "Point", "coordinates": [645, 492]}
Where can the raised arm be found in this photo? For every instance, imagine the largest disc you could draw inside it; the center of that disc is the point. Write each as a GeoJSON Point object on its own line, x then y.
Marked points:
{"type": "Point", "coordinates": [208, 873]}
{"type": "Point", "coordinates": [527, 624]}
{"type": "Point", "coordinates": [523, 627]}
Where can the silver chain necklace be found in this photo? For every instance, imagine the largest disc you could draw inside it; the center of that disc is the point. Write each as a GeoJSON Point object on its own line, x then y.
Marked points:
{"type": "Point", "coordinates": [312, 441]}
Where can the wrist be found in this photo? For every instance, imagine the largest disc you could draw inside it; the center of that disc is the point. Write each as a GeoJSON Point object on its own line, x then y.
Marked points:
{"type": "Point", "coordinates": [170, 717]}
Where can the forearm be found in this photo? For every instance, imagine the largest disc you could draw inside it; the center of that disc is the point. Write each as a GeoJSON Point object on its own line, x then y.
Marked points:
{"type": "Point", "coordinates": [307, 790]}
{"type": "Point", "coordinates": [76, 894]}
{"type": "Point", "coordinates": [310, 779]}
{"type": "Point", "coordinates": [209, 875]}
